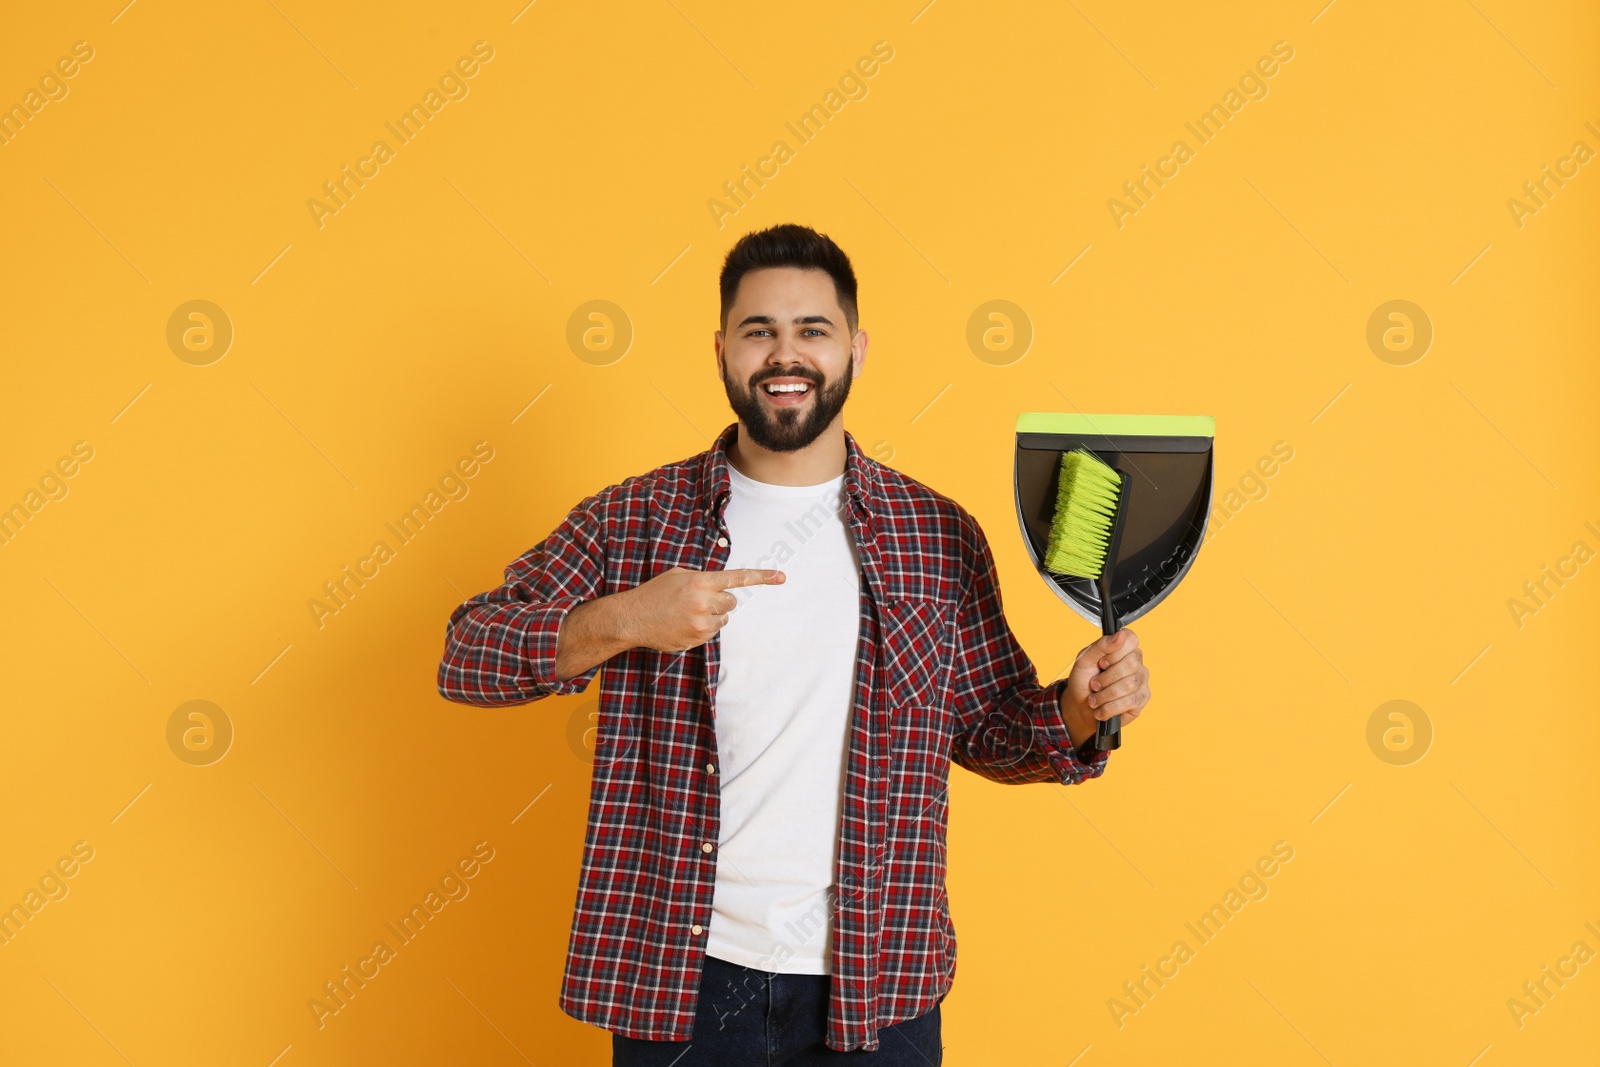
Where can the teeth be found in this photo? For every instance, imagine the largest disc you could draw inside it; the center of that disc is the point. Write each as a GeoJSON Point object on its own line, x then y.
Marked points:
{"type": "Point", "coordinates": [787, 388]}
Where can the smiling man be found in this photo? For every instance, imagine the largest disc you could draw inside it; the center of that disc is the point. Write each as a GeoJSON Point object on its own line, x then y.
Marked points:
{"type": "Point", "coordinates": [763, 878]}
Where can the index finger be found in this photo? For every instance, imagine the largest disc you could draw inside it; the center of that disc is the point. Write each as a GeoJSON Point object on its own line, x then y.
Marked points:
{"type": "Point", "coordinates": [741, 576]}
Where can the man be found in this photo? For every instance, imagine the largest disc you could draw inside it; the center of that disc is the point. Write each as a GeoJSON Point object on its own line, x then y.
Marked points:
{"type": "Point", "coordinates": [763, 878]}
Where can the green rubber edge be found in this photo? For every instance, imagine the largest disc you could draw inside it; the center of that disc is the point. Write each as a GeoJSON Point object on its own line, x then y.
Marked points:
{"type": "Point", "coordinates": [1112, 425]}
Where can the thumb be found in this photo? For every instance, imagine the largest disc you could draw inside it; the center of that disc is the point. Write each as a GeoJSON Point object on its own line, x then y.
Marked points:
{"type": "Point", "coordinates": [1086, 664]}
{"type": "Point", "coordinates": [1109, 650]}
{"type": "Point", "coordinates": [1088, 661]}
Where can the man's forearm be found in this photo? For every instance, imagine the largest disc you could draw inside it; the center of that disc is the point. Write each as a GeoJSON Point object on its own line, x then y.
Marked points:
{"type": "Point", "coordinates": [592, 633]}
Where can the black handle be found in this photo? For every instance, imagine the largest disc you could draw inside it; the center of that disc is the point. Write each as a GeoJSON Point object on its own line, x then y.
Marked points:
{"type": "Point", "coordinates": [1108, 734]}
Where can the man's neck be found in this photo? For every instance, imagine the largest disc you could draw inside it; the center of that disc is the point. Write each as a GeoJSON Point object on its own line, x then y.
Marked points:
{"type": "Point", "coordinates": [818, 462]}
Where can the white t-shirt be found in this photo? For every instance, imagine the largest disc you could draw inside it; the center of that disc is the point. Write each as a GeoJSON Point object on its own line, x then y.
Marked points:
{"type": "Point", "coordinates": [782, 704]}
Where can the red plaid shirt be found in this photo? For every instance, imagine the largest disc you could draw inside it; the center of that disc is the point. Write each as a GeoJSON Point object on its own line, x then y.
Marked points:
{"type": "Point", "coordinates": [939, 678]}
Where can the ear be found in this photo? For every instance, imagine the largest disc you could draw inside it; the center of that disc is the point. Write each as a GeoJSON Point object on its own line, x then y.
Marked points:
{"type": "Point", "coordinates": [858, 353]}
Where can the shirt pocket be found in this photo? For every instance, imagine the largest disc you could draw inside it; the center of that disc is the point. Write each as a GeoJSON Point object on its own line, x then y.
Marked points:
{"type": "Point", "coordinates": [916, 656]}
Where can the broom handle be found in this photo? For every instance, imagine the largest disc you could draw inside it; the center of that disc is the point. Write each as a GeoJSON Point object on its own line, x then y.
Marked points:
{"type": "Point", "coordinates": [1108, 734]}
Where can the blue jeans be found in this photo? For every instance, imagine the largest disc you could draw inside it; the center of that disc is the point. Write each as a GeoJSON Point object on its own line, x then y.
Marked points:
{"type": "Point", "coordinates": [751, 1018]}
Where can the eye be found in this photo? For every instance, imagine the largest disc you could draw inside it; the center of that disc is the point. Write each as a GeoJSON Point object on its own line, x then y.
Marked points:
{"type": "Point", "coordinates": [815, 329]}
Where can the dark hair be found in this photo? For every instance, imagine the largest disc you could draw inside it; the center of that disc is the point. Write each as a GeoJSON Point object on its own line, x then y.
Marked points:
{"type": "Point", "coordinates": [790, 245]}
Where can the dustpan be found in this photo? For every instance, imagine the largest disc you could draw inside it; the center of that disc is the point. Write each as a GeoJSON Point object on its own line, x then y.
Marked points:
{"type": "Point", "coordinates": [1168, 461]}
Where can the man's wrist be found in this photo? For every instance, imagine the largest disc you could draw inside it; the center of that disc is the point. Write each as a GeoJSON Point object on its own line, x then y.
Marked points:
{"type": "Point", "coordinates": [1081, 726]}
{"type": "Point", "coordinates": [619, 618]}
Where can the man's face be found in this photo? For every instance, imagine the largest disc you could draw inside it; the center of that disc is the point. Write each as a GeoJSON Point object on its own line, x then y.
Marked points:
{"type": "Point", "coordinates": [786, 326]}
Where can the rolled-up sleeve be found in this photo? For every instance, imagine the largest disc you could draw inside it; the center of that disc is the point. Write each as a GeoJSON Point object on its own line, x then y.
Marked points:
{"type": "Point", "coordinates": [500, 646]}
{"type": "Point", "coordinates": [1008, 727]}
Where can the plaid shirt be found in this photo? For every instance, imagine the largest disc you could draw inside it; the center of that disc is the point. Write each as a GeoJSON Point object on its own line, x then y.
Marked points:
{"type": "Point", "coordinates": [939, 678]}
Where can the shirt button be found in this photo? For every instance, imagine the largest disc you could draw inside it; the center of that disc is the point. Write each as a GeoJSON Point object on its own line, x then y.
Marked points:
{"type": "Point", "coordinates": [697, 928]}
{"type": "Point", "coordinates": [706, 847]}
{"type": "Point", "coordinates": [723, 541]}
{"type": "Point", "coordinates": [711, 768]}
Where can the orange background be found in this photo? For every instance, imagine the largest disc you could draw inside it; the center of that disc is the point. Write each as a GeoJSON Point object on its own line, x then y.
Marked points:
{"type": "Point", "coordinates": [431, 312]}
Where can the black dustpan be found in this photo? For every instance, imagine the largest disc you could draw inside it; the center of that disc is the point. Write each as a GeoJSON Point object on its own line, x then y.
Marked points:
{"type": "Point", "coordinates": [1167, 460]}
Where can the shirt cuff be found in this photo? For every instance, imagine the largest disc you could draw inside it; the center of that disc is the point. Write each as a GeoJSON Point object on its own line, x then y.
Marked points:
{"type": "Point", "coordinates": [1073, 762]}
{"type": "Point", "coordinates": [540, 626]}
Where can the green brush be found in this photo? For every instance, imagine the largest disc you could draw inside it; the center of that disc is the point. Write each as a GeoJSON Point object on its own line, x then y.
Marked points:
{"type": "Point", "coordinates": [1091, 502]}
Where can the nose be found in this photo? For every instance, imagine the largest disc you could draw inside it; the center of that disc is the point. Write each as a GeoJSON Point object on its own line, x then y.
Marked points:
{"type": "Point", "coordinates": [784, 352]}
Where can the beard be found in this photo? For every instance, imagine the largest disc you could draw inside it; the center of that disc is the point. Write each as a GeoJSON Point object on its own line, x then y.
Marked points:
{"type": "Point", "coordinates": [788, 429]}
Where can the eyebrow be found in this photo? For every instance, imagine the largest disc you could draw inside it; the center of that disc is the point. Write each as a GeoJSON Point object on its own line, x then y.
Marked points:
{"type": "Point", "coordinates": [800, 320]}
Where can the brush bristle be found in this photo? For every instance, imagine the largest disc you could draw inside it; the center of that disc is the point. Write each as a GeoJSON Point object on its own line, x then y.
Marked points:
{"type": "Point", "coordinates": [1086, 511]}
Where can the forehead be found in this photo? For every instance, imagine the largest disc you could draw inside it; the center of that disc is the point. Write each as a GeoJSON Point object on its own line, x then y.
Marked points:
{"type": "Point", "coordinates": [791, 286]}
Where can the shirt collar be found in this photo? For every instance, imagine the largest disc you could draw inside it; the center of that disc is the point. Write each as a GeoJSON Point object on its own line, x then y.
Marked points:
{"type": "Point", "coordinates": [860, 475]}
